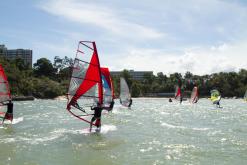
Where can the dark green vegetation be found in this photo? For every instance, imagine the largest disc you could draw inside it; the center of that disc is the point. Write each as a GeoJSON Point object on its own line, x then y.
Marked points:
{"type": "Point", "coordinates": [49, 80]}
{"type": "Point", "coordinates": [229, 84]}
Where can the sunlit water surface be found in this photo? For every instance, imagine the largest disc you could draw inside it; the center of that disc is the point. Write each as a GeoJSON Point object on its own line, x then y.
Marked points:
{"type": "Point", "coordinates": [152, 132]}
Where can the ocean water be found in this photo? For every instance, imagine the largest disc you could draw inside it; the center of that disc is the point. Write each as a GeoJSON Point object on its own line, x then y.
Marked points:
{"type": "Point", "coordinates": [152, 132]}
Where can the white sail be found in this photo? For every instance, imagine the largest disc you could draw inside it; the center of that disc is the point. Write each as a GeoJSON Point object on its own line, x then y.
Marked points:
{"type": "Point", "coordinates": [194, 95]}
{"type": "Point", "coordinates": [124, 93]}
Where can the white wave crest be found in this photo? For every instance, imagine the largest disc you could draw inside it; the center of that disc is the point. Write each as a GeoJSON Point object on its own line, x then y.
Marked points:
{"type": "Point", "coordinates": [17, 120]}
{"type": "Point", "coordinates": [172, 126]}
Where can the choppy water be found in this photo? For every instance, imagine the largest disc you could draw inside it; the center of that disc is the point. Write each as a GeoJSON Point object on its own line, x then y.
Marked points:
{"type": "Point", "coordinates": [152, 132]}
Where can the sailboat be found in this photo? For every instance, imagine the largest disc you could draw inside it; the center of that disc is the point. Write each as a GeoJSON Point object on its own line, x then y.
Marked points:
{"type": "Point", "coordinates": [194, 95]}
{"type": "Point", "coordinates": [108, 89]}
{"type": "Point", "coordinates": [85, 89]}
{"type": "Point", "coordinates": [125, 97]}
{"type": "Point", "coordinates": [5, 97]}
{"type": "Point", "coordinates": [215, 96]}
{"type": "Point", "coordinates": [178, 92]}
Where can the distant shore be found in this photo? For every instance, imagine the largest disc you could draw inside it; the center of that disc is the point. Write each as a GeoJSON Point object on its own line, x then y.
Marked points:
{"type": "Point", "coordinates": [23, 98]}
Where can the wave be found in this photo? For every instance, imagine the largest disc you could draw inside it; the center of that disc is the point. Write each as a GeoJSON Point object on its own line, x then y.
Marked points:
{"type": "Point", "coordinates": [182, 127]}
{"type": "Point", "coordinates": [172, 126]}
{"type": "Point", "coordinates": [17, 120]}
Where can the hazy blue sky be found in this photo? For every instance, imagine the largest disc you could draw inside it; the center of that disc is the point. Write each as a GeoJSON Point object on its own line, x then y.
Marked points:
{"type": "Point", "coordinates": [201, 36]}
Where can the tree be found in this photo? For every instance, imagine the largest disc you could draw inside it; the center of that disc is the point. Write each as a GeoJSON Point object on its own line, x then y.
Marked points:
{"type": "Point", "coordinates": [43, 67]}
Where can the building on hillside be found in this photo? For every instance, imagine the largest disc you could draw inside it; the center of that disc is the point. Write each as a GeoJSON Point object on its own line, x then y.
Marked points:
{"type": "Point", "coordinates": [11, 54]}
{"type": "Point", "coordinates": [136, 75]}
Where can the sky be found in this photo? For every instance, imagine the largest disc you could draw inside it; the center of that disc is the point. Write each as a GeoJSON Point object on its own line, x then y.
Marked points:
{"type": "Point", "coordinates": [199, 36]}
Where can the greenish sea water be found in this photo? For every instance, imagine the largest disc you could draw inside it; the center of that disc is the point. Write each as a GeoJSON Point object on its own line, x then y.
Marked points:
{"type": "Point", "coordinates": [152, 132]}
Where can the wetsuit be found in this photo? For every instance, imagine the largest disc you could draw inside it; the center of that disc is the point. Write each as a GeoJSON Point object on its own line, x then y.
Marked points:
{"type": "Point", "coordinates": [9, 113]}
{"type": "Point", "coordinates": [130, 103]}
{"type": "Point", "coordinates": [97, 115]}
{"type": "Point", "coordinates": [112, 104]}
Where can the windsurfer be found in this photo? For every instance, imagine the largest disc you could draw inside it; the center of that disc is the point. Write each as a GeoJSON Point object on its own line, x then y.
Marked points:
{"type": "Point", "coordinates": [96, 116]}
{"type": "Point", "coordinates": [110, 107]}
{"type": "Point", "coordinates": [9, 113]}
{"type": "Point", "coordinates": [75, 104]}
{"type": "Point", "coordinates": [130, 103]}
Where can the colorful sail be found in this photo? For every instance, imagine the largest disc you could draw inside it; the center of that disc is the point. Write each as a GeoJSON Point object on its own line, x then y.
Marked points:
{"type": "Point", "coordinates": [4, 87]}
{"type": "Point", "coordinates": [125, 96]}
{"type": "Point", "coordinates": [108, 91]}
{"type": "Point", "coordinates": [215, 96]}
{"type": "Point", "coordinates": [85, 89]}
{"type": "Point", "coordinates": [194, 95]}
{"type": "Point", "coordinates": [4, 95]}
{"type": "Point", "coordinates": [178, 92]}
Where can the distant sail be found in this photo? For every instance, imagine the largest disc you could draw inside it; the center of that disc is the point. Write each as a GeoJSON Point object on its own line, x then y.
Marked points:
{"type": "Point", "coordinates": [178, 94]}
{"type": "Point", "coordinates": [108, 91]}
{"type": "Point", "coordinates": [215, 96]}
{"type": "Point", "coordinates": [124, 93]}
{"type": "Point", "coordinates": [194, 95]}
{"type": "Point", "coordinates": [4, 87]}
{"type": "Point", "coordinates": [85, 84]}
{"type": "Point", "coordinates": [245, 96]}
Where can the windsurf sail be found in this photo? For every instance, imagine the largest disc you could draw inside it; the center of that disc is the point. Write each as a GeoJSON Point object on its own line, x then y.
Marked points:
{"type": "Point", "coordinates": [125, 96]}
{"type": "Point", "coordinates": [215, 96]}
{"type": "Point", "coordinates": [85, 89]}
{"type": "Point", "coordinates": [108, 91]}
{"type": "Point", "coordinates": [245, 96]}
{"type": "Point", "coordinates": [4, 95]}
{"type": "Point", "coordinates": [178, 92]}
{"type": "Point", "coordinates": [194, 95]}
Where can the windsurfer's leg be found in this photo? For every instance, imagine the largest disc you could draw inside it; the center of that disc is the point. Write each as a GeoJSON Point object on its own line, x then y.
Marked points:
{"type": "Point", "coordinates": [98, 124]}
{"type": "Point", "coordinates": [91, 123]}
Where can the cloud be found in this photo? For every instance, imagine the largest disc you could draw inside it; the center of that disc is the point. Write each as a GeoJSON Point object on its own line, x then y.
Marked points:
{"type": "Point", "coordinates": [99, 17]}
{"type": "Point", "coordinates": [169, 36]}
{"type": "Point", "coordinates": [207, 60]}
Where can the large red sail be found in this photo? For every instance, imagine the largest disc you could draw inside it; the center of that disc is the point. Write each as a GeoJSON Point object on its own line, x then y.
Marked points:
{"type": "Point", "coordinates": [85, 87]}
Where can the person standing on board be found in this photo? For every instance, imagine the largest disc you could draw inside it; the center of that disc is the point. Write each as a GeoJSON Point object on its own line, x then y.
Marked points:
{"type": "Point", "coordinates": [130, 103]}
{"type": "Point", "coordinates": [9, 113]}
{"type": "Point", "coordinates": [96, 116]}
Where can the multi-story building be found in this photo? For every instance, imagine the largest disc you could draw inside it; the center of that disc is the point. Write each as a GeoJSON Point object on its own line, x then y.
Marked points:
{"type": "Point", "coordinates": [136, 75]}
{"type": "Point", "coordinates": [11, 54]}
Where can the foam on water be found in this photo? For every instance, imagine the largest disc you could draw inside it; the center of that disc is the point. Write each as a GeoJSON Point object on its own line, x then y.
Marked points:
{"type": "Point", "coordinates": [17, 120]}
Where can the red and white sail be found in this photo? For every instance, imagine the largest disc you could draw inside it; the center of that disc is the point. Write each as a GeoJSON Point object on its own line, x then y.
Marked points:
{"type": "Point", "coordinates": [4, 87]}
{"type": "Point", "coordinates": [85, 84]}
{"type": "Point", "coordinates": [194, 95]}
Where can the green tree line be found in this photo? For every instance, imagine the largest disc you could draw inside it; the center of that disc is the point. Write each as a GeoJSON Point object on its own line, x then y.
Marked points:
{"type": "Point", "coordinates": [49, 80]}
{"type": "Point", "coordinates": [230, 84]}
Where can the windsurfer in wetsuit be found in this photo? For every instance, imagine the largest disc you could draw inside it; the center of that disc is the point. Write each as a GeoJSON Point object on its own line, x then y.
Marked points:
{"type": "Point", "coordinates": [130, 103]}
{"type": "Point", "coordinates": [75, 104]}
{"type": "Point", "coordinates": [96, 116]}
{"type": "Point", "coordinates": [9, 113]}
{"type": "Point", "coordinates": [110, 107]}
